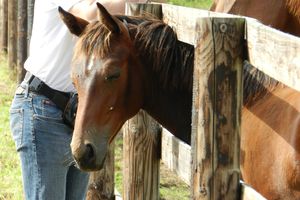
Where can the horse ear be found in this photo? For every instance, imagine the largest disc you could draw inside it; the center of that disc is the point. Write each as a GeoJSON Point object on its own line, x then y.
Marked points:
{"type": "Point", "coordinates": [75, 24]}
{"type": "Point", "coordinates": [107, 19]}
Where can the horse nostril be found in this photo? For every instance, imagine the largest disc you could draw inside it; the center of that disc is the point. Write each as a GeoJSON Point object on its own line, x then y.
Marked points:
{"type": "Point", "coordinates": [88, 158]}
{"type": "Point", "coordinates": [89, 154]}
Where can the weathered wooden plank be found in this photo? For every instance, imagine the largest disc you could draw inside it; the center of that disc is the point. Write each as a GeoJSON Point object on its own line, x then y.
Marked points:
{"type": "Point", "coordinates": [30, 12]}
{"type": "Point", "coordinates": [141, 154]}
{"type": "Point", "coordinates": [183, 20]}
{"type": "Point", "coordinates": [12, 34]}
{"type": "Point", "coordinates": [3, 26]}
{"type": "Point", "coordinates": [275, 53]}
{"type": "Point", "coordinates": [144, 9]}
{"type": "Point", "coordinates": [248, 193]}
{"type": "Point", "coordinates": [21, 39]}
{"type": "Point", "coordinates": [217, 108]}
{"type": "Point", "coordinates": [176, 155]}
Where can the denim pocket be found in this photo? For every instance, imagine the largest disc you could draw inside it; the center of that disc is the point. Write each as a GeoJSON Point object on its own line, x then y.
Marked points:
{"type": "Point", "coordinates": [45, 109]}
{"type": "Point", "coordinates": [16, 122]}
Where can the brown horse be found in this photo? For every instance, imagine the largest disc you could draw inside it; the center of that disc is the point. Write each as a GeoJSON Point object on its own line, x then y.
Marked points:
{"type": "Point", "coordinates": [270, 140]}
{"type": "Point", "coordinates": [121, 65]}
{"type": "Point", "coordinates": [280, 14]}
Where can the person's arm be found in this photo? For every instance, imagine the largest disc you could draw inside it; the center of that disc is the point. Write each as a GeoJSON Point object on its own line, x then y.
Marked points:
{"type": "Point", "coordinates": [87, 9]}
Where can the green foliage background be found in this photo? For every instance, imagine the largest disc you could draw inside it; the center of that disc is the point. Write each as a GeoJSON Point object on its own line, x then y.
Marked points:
{"type": "Point", "coordinates": [203, 4]}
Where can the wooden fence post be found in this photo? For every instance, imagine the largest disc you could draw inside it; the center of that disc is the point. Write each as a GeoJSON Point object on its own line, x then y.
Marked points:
{"type": "Point", "coordinates": [3, 25]}
{"type": "Point", "coordinates": [141, 155]}
{"type": "Point", "coordinates": [217, 108]}
{"type": "Point", "coordinates": [21, 39]}
{"type": "Point", "coordinates": [30, 12]}
{"type": "Point", "coordinates": [141, 146]}
{"type": "Point", "coordinates": [12, 34]}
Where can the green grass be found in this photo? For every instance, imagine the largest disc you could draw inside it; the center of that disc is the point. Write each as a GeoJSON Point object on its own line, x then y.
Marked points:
{"type": "Point", "coordinates": [10, 174]}
{"type": "Point", "coordinates": [204, 4]}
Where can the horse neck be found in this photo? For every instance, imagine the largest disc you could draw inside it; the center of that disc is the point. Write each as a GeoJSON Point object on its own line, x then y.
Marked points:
{"type": "Point", "coordinates": [169, 104]}
{"type": "Point", "coordinates": [167, 68]}
{"type": "Point", "coordinates": [171, 108]}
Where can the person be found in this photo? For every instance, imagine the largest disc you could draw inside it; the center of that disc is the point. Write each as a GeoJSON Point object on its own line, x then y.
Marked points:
{"type": "Point", "coordinates": [41, 134]}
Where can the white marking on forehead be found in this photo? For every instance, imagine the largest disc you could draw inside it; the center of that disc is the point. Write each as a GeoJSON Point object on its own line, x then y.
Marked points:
{"type": "Point", "coordinates": [91, 63]}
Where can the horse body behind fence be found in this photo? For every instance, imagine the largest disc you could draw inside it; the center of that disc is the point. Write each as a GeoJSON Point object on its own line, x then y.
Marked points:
{"type": "Point", "coordinates": [123, 64]}
{"type": "Point", "coordinates": [270, 138]}
{"type": "Point", "coordinates": [270, 118]}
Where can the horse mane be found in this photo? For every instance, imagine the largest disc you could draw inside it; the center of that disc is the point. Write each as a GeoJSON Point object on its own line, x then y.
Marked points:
{"type": "Point", "coordinates": [95, 40]}
{"type": "Point", "coordinates": [155, 42]}
{"type": "Point", "coordinates": [256, 84]}
{"type": "Point", "coordinates": [294, 7]}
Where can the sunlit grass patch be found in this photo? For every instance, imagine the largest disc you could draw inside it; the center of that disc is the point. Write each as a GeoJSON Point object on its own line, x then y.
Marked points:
{"type": "Point", "coordinates": [10, 171]}
{"type": "Point", "coordinates": [204, 4]}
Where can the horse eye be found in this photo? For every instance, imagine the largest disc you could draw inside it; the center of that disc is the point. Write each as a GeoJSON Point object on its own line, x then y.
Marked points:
{"type": "Point", "coordinates": [112, 77]}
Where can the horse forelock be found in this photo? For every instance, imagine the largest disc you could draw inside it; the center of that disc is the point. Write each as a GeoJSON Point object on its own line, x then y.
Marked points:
{"type": "Point", "coordinates": [294, 7]}
{"type": "Point", "coordinates": [95, 40]}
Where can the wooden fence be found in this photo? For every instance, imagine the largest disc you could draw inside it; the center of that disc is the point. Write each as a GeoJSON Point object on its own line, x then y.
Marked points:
{"type": "Point", "coordinates": [219, 41]}
{"type": "Point", "coordinates": [15, 24]}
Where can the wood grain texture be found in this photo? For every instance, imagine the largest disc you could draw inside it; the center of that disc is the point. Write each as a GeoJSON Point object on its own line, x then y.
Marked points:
{"type": "Point", "coordinates": [12, 34]}
{"type": "Point", "coordinates": [217, 108]}
{"type": "Point", "coordinates": [275, 53]}
{"type": "Point", "coordinates": [183, 20]}
{"type": "Point", "coordinates": [141, 154]}
{"type": "Point", "coordinates": [3, 25]}
{"type": "Point", "coordinates": [21, 39]}
{"type": "Point", "coordinates": [138, 9]}
{"type": "Point", "coordinates": [30, 12]}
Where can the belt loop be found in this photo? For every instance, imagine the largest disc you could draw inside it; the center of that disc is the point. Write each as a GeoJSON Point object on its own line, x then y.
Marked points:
{"type": "Point", "coordinates": [26, 90]}
{"type": "Point", "coordinates": [25, 85]}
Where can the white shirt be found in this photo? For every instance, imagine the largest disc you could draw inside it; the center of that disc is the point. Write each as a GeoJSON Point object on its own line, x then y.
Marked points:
{"type": "Point", "coordinates": [51, 45]}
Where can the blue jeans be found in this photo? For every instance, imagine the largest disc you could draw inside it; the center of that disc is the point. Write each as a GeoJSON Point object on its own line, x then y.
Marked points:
{"type": "Point", "coordinates": [43, 143]}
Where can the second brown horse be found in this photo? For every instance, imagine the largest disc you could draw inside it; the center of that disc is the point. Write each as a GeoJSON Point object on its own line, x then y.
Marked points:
{"type": "Point", "coordinates": [270, 140]}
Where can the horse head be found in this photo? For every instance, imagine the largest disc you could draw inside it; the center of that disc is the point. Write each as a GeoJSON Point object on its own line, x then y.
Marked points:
{"type": "Point", "coordinates": [104, 56]}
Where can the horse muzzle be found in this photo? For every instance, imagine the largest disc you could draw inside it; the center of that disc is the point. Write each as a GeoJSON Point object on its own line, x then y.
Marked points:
{"type": "Point", "coordinates": [88, 159]}
{"type": "Point", "coordinates": [89, 155]}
